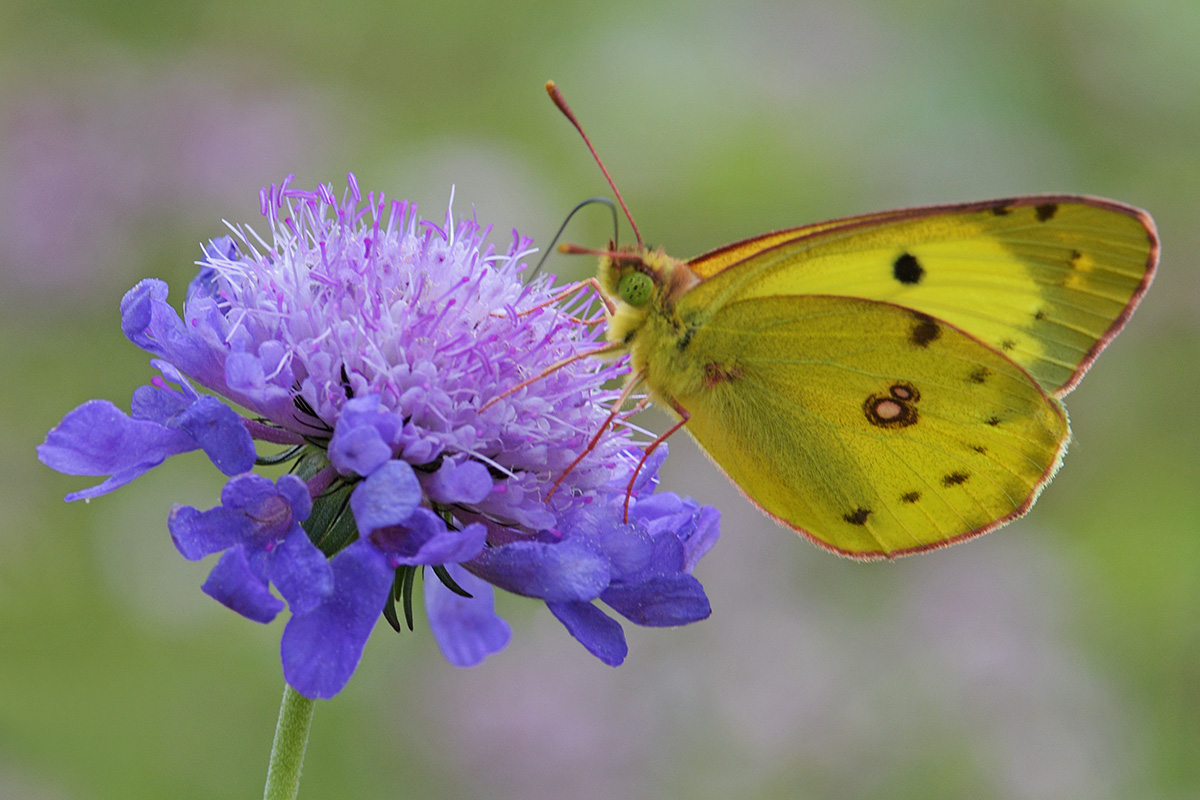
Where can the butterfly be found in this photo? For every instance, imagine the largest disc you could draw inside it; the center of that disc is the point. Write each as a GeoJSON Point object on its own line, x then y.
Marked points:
{"type": "Point", "coordinates": [889, 383]}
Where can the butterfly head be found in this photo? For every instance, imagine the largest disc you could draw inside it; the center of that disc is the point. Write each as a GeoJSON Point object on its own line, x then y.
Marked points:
{"type": "Point", "coordinates": [642, 282]}
{"type": "Point", "coordinates": [640, 277]}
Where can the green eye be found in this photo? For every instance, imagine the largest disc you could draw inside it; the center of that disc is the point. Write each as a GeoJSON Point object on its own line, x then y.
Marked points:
{"type": "Point", "coordinates": [635, 288]}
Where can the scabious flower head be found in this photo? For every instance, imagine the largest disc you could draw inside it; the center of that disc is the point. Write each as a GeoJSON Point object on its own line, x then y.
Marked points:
{"type": "Point", "coordinates": [381, 352]}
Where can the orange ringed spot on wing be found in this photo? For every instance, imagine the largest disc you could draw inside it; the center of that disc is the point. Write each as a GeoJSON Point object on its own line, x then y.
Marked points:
{"type": "Point", "coordinates": [896, 409]}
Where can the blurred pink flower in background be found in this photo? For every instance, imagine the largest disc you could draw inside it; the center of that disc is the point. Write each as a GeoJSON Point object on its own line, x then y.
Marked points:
{"type": "Point", "coordinates": [787, 682]}
{"type": "Point", "coordinates": [93, 159]}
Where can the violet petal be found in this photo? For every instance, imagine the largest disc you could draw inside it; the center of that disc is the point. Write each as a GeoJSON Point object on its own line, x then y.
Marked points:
{"type": "Point", "coordinates": [595, 630]}
{"type": "Point", "coordinates": [321, 649]}
{"type": "Point", "coordinates": [233, 584]}
{"type": "Point", "coordinates": [466, 629]}
{"type": "Point", "coordinates": [387, 497]}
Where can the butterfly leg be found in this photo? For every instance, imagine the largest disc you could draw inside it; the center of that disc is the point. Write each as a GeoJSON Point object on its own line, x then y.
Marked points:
{"type": "Point", "coordinates": [684, 416]}
{"type": "Point", "coordinates": [598, 351]}
{"type": "Point", "coordinates": [593, 283]}
{"type": "Point", "coordinates": [612, 415]}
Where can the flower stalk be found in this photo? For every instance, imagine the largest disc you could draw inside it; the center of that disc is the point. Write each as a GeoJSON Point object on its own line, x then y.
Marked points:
{"type": "Point", "coordinates": [291, 742]}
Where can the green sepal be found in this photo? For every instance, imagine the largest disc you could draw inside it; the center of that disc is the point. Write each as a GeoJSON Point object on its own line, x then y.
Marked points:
{"type": "Point", "coordinates": [410, 576]}
{"type": "Point", "coordinates": [311, 461]}
{"type": "Point", "coordinates": [330, 526]}
{"type": "Point", "coordinates": [389, 605]}
{"type": "Point", "coordinates": [449, 582]}
{"type": "Point", "coordinates": [402, 589]}
{"type": "Point", "coordinates": [279, 458]}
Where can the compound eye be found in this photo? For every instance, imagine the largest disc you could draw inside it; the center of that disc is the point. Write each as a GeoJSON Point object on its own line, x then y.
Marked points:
{"type": "Point", "coordinates": [635, 288]}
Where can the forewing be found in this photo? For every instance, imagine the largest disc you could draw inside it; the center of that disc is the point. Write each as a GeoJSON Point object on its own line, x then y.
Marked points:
{"type": "Point", "coordinates": [1047, 280]}
{"type": "Point", "coordinates": [874, 430]}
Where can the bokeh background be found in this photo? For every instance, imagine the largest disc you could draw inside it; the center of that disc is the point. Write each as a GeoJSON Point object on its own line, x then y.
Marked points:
{"type": "Point", "coordinates": [1057, 658]}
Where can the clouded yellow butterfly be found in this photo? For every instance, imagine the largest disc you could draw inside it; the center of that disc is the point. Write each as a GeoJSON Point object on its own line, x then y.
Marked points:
{"type": "Point", "coordinates": [889, 383]}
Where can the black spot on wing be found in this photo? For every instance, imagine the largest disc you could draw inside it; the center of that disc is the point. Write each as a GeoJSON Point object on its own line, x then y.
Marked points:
{"type": "Point", "coordinates": [1008, 345]}
{"type": "Point", "coordinates": [1046, 211]}
{"type": "Point", "coordinates": [910, 497]}
{"type": "Point", "coordinates": [924, 331]}
{"type": "Point", "coordinates": [955, 479]}
{"type": "Point", "coordinates": [979, 375]}
{"type": "Point", "coordinates": [993, 420]}
{"type": "Point", "coordinates": [907, 269]}
{"type": "Point", "coordinates": [1039, 315]}
{"type": "Point", "coordinates": [858, 516]}
{"type": "Point", "coordinates": [1001, 211]}
{"type": "Point", "coordinates": [978, 448]}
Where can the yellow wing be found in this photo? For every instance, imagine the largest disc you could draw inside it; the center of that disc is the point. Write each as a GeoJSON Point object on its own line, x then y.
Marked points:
{"type": "Point", "coordinates": [1048, 280]}
{"type": "Point", "coordinates": [873, 429]}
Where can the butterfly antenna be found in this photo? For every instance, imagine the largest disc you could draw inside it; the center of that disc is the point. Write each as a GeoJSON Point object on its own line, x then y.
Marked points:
{"type": "Point", "coordinates": [561, 102]}
{"type": "Point", "coordinates": [563, 227]}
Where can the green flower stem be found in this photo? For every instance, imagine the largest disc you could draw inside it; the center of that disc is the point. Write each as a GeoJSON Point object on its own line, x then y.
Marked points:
{"type": "Point", "coordinates": [291, 740]}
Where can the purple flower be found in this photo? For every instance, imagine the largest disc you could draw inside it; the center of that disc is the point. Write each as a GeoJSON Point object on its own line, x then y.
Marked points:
{"type": "Point", "coordinates": [381, 352]}
{"type": "Point", "coordinates": [257, 526]}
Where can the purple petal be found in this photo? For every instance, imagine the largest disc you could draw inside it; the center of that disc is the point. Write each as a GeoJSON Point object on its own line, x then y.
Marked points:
{"type": "Point", "coordinates": [363, 436]}
{"type": "Point", "coordinates": [254, 512]}
{"type": "Point", "coordinates": [161, 402]}
{"type": "Point", "coordinates": [138, 308]}
{"type": "Point", "coordinates": [295, 491]}
{"type": "Point", "coordinates": [425, 539]}
{"type": "Point", "coordinates": [700, 540]}
{"type": "Point", "coordinates": [153, 325]}
{"type": "Point", "coordinates": [647, 478]}
{"type": "Point", "coordinates": [200, 533]}
{"type": "Point", "coordinates": [358, 451]}
{"type": "Point", "coordinates": [661, 601]}
{"type": "Point", "coordinates": [387, 497]}
{"type": "Point", "coordinates": [452, 547]}
{"type": "Point", "coordinates": [216, 427]}
{"type": "Point", "coordinates": [627, 548]}
{"type": "Point", "coordinates": [554, 572]}
{"type": "Point", "coordinates": [469, 482]}
{"type": "Point", "coordinates": [233, 584]}
{"type": "Point", "coordinates": [301, 572]}
{"type": "Point", "coordinates": [321, 649]}
{"type": "Point", "coordinates": [218, 430]}
{"type": "Point", "coordinates": [466, 628]}
{"type": "Point", "coordinates": [260, 380]}
{"type": "Point", "coordinates": [595, 630]}
{"type": "Point", "coordinates": [99, 439]}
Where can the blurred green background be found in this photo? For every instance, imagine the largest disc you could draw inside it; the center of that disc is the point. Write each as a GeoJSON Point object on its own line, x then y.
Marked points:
{"type": "Point", "coordinates": [1057, 658]}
